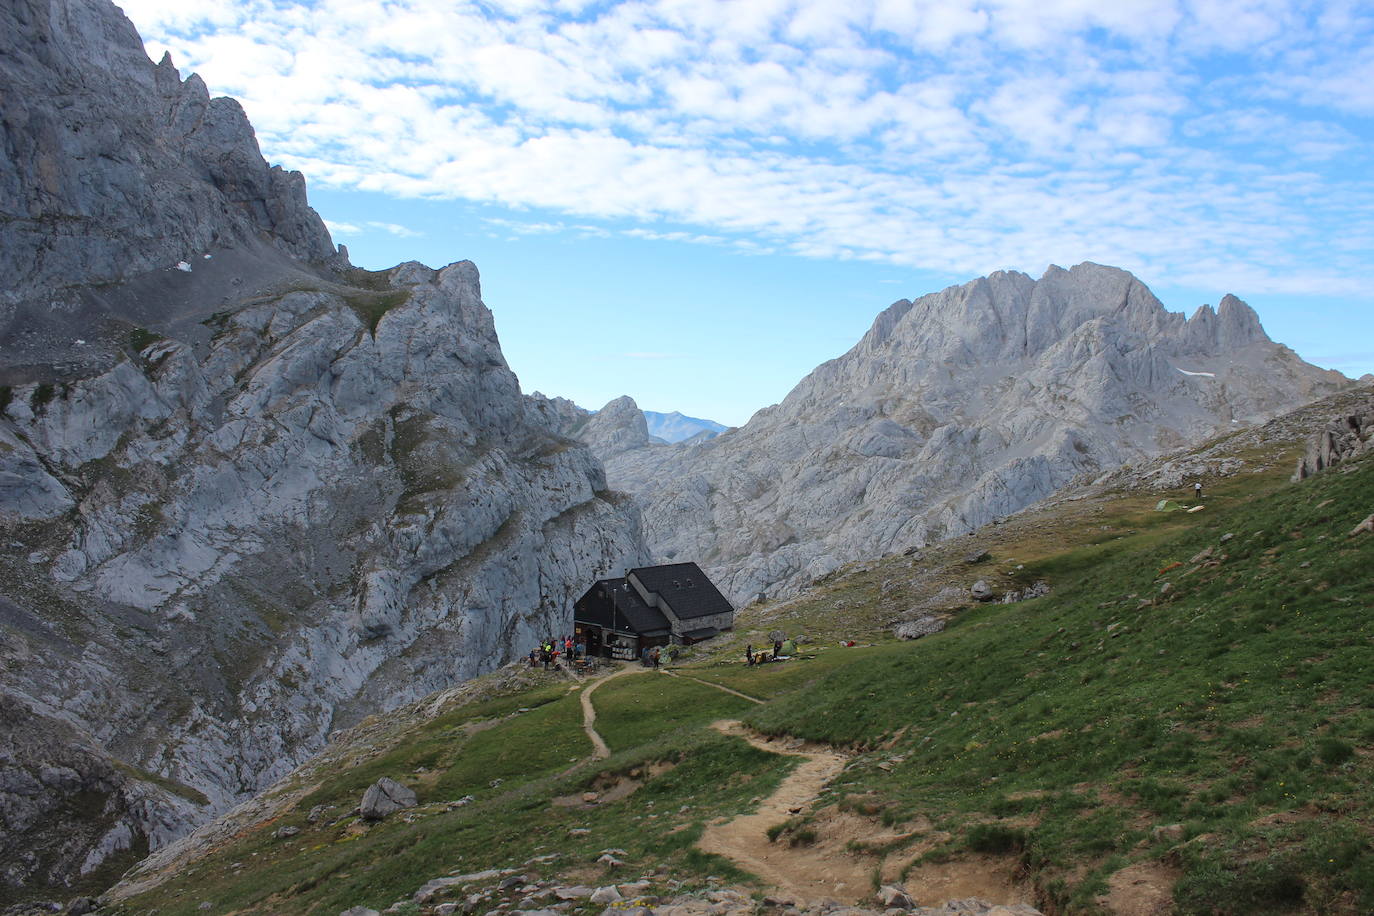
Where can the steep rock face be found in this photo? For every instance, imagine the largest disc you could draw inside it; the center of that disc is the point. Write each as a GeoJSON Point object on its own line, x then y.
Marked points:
{"type": "Point", "coordinates": [956, 409]}
{"type": "Point", "coordinates": [314, 523]}
{"type": "Point", "coordinates": [215, 561]}
{"type": "Point", "coordinates": [113, 167]}
{"type": "Point", "coordinates": [248, 494]}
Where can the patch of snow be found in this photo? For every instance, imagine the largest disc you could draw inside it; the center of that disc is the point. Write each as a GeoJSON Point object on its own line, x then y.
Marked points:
{"type": "Point", "coordinates": [80, 342]}
{"type": "Point", "coordinates": [182, 265]}
{"type": "Point", "coordinates": [1203, 374]}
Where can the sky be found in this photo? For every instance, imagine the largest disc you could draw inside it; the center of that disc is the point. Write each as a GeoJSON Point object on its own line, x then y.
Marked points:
{"type": "Point", "coordinates": [696, 203]}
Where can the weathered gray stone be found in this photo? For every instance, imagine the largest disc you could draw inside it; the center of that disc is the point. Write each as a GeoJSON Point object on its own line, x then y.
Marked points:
{"type": "Point", "coordinates": [981, 591]}
{"type": "Point", "coordinates": [921, 626]}
{"type": "Point", "coordinates": [1343, 438]}
{"type": "Point", "coordinates": [1037, 590]}
{"type": "Point", "coordinates": [606, 895]}
{"type": "Point", "coordinates": [383, 797]}
{"type": "Point", "coordinates": [894, 897]}
{"type": "Point", "coordinates": [359, 911]}
{"type": "Point", "coordinates": [576, 892]}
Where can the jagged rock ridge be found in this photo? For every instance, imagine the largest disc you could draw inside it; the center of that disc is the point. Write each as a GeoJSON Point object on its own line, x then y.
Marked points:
{"type": "Point", "coordinates": [956, 409]}
{"type": "Point", "coordinates": [245, 499]}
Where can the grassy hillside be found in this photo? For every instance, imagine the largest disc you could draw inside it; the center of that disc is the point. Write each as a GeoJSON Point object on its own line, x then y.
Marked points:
{"type": "Point", "coordinates": [1192, 703]}
{"type": "Point", "coordinates": [1219, 678]}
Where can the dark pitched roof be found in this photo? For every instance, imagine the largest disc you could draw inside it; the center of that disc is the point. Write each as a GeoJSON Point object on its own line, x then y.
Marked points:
{"type": "Point", "coordinates": [685, 587]}
{"type": "Point", "coordinates": [614, 603]}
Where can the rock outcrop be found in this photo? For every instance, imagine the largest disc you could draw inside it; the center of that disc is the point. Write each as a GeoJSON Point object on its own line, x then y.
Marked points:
{"type": "Point", "coordinates": [1343, 438]}
{"type": "Point", "coordinates": [383, 797]}
{"type": "Point", "coordinates": [954, 410]}
{"type": "Point", "coordinates": [275, 495]}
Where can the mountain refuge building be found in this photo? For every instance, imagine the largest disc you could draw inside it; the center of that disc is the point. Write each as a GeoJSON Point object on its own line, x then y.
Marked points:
{"type": "Point", "coordinates": [650, 606]}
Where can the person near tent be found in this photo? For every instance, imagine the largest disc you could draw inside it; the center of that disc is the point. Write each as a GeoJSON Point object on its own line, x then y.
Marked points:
{"type": "Point", "coordinates": [749, 654]}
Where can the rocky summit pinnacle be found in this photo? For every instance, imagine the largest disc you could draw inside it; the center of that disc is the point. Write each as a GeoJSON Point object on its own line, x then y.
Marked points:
{"type": "Point", "coordinates": [954, 410]}
{"type": "Point", "coordinates": [248, 494]}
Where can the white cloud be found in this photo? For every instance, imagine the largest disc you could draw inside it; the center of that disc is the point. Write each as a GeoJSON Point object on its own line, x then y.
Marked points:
{"type": "Point", "coordinates": [946, 134]}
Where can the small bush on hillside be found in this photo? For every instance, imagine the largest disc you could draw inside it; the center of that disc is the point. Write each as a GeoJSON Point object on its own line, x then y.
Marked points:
{"type": "Point", "coordinates": [995, 839]}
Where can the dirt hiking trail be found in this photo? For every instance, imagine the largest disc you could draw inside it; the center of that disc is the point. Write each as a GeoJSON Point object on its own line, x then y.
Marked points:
{"type": "Point", "coordinates": [688, 677]}
{"type": "Point", "coordinates": [805, 872]}
{"type": "Point", "coordinates": [599, 749]}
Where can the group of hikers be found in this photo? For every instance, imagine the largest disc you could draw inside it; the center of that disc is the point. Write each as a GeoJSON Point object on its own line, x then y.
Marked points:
{"type": "Point", "coordinates": [550, 650]}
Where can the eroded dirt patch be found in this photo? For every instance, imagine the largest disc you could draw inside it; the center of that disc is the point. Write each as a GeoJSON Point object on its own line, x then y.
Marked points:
{"type": "Point", "coordinates": [1142, 889]}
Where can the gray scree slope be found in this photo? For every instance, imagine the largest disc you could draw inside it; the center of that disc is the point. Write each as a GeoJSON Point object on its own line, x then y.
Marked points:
{"type": "Point", "coordinates": [242, 504]}
{"type": "Point", "coordinates": [954, 410]}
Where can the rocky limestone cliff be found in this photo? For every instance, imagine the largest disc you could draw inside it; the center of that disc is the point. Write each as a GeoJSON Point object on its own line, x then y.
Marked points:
{"type": "Point", "coordinates": [956, 409]}
{"type": "Point", "coordinates": [245, 499]}
{"type": "Point", "coordinates": [113, 168]}
{"type": "Point", "coordinates": [213, 561]}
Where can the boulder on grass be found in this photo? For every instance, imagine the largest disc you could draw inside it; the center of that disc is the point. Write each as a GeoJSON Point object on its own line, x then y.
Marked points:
{"type": "Point", "coordinates": [383, 797]}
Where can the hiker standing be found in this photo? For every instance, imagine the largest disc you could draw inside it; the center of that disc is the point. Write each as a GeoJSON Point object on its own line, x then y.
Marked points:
{"type": "Point", "coordinates": [1197, 489]}
{"type": "Point", "coordinates": [749, 654]}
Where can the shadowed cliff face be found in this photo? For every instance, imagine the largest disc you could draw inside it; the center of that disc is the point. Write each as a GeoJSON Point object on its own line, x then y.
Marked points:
{"type": "Point", "coordinates": [245, 499]}
{"type": "Point", "coordinates": [954, 410]}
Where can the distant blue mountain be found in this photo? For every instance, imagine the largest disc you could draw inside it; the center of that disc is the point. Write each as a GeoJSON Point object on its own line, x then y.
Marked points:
{"type": "Point", "coordinates": [674, 427]}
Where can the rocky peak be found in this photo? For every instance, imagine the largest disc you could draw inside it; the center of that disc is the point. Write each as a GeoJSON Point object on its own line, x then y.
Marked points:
{"type": "Point", "coordinates": [955, 409]}
{"type": "Point", "coordinates": [618, 427]}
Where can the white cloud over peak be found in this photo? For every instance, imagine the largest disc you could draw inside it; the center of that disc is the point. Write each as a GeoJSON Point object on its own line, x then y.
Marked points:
{"type": "Point", "coordinates": [954, 135]}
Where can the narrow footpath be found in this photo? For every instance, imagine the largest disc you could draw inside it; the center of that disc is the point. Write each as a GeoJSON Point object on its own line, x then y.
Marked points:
{"type": "Point", "coordinates": [802, 872]}
{"type": "Point", "coordinates": [688, 677]}
{"type": "Point", "coordinates": [599, 749]}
